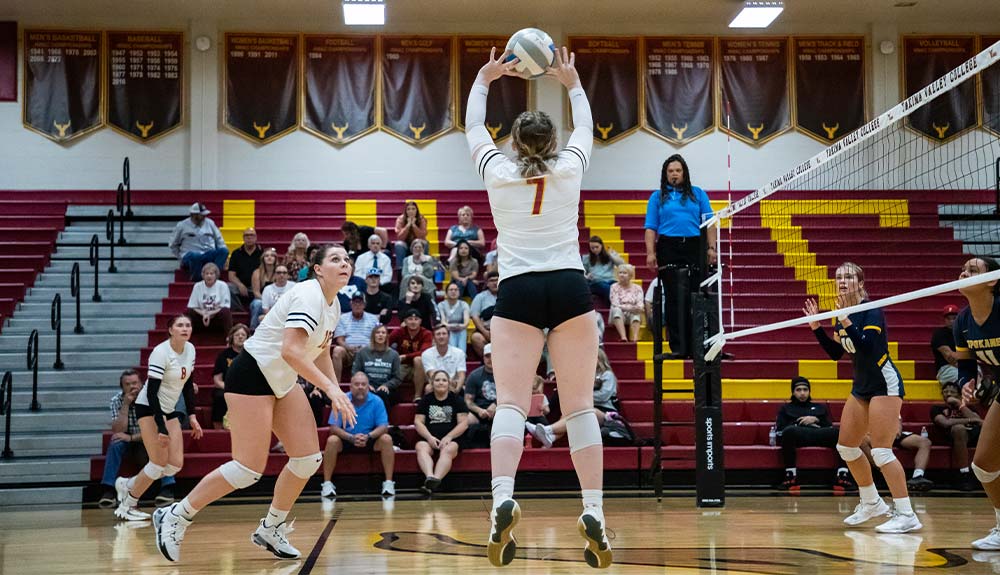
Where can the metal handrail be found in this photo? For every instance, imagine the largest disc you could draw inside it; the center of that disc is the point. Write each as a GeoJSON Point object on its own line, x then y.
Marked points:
{"type": "Point", "coordinates": [127, 183]}
{"type": "Point", "coordinates": [33, 366]}
{"type": "Point", "coordinates": [95, 259]}
{"type": "Point", "coordinates": [74, 290]}
{"type": "Point", "coordinates": [109, 233]}
{"type": "Point", "coordinates": [6, 392]}
{"type": "Point", "coordinates": [57, 326]}
{"type": "Point", "coordinates": [119, 206]}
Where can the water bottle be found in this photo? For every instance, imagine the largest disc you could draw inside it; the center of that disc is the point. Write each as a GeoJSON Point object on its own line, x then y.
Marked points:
{"type": "Point", "coordinates": [772, 436]}
{"type": "Point", "coordinates": [923, 431]}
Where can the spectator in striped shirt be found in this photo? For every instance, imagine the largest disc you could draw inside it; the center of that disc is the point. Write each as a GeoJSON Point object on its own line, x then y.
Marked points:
{"type": "Point", "coordinates": [353, 333]}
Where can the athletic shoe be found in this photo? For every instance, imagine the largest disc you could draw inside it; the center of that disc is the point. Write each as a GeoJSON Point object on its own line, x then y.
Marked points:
{"type": "Point", "coordinates": [967, 482]}
{"type": "Point", "coordinates": [844, 484]}
{"type": "Point", "coordinates": [865, 511]}
{"type": "Point", "coordinates": [126, 513]}
{"type": "Point", "coordinates": [919, 484]}
{"type": "Point", "coordinates": [991, 557]}
{"type": "Point", "coordinates": [502, 545]}
{"type": "Point", "coordinates": [900, 523]}
{"type": "Point", "coordinates": [121, 489]}
{"type": "Point", "coordinates": [529, 427]}
{"type": "Point", "coordinates": [790, 482]}
{"type": "Point", "coordinates": [597, 553]}
{"type": "Point", "coordinates": [165, 497]}
{"type": "Point", "coordinates": [544, 435]}
{"type": "Point", "coordinates": [108, 499]}
{"type": "Point", "coordinates": [430, 484]}
{"type": "Point", "coordinates": [169, 528]}
{"type": "Point", "coordinates": [273, 539]}
{"type": "Point", "coordinates": [989, 543]}
{"type": "Point", "coordinates": [388, 488]}
{"type": "Point", "coordinates": [328, 489]}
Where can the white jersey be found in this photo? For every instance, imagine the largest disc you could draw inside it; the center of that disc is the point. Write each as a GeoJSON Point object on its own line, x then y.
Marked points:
{"type": "Point", "coordinates": [305, 307]}
{"type": "Point", "coordinates": [172, 369]}
{"type": "Point", "coordinates": [536, 218]}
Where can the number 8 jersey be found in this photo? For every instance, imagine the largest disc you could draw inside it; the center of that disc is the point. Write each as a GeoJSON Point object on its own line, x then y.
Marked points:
{"type": "Point", "coordinates": [981, 341]}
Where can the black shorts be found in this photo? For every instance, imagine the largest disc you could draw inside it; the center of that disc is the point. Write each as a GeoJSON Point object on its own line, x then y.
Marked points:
{"type": "Point", "coordinates": [544, 299]}
{"type": "Point", "coordinates": [245, 378]}
{"type": "Point", "coordinates": [146, 411]}
{"type": "Point", "coordinates": [351, 448]}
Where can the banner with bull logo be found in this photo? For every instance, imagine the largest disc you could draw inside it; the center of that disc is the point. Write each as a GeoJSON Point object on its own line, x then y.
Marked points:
{"type": "Point", "coordinates": [609, 70]}
{"type": "Point", "coordinates": [261, 85]}
{"type": "Point", "coordinates": [927, 58]}
{"type": "Point", "coordinates": [508, 95]}
{"type": "Point", "coordinates": [679, 87]}
{"type": "Point", "coordinates": [830, 99]}
{"type": "Point", "coordinates": [62, 83]}
{"type": "Point", "coordinates": [754, 83]}
{"type": "Point", "coordinates": [338, 91]}
{"type": "Point", "coordinates": [145, 83]}
{"type": "Point", "coordinates": [417, 87]}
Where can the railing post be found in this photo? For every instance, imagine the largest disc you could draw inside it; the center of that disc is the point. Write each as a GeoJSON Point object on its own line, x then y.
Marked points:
{"type": "Point", "coordinates": [6, 391]}
{"type": "Point", "coordinates": [33, 366]}
{"type": "Point", "coordinates": [996, 184]}
{"type": "Point", "coordinates": [95, 259]}
{"type": "Point", "coordinates": [74, 290]}
{"type": "Point", "coordinates": [57, 326]}
{"type": "Point", "coordinates": [109, 233]}
{"type": "Point", "coordinates": [120, 206]}
{"type": "Point", "coordinates": [127, 182]}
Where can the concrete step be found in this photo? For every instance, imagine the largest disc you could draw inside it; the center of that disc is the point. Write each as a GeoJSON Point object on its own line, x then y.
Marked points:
{"type": "Point", "coordinates": [54, 280]}
{"type": "Point", "coordinates": [44, 469]}
{"type": "Point", "coordinates": [95, 396]}
{"type": "Point", "coordinates": [121, 252]}
{"type": "Point", "coordinates": [55, 444]}
{"type": "Point", "coordinates": [92, 325]}
{"type": "Point", "coordinates": [74, 342]}
{"type": "Point", "coordinates": [73, 359]}
{"type": "Point", "coordinates": [42, 307]}
{"type": "Point", "coordinates": [124, 266]}
{"type": "Point", "coordinates": [965, 209]}
{"type": "Point", "coordinates": [74, 235]}
{"type": "Point", "coordinates": [64, 420]}
{"type": "Point", "coordinates": [76, 378]}
{"type": "Point", "coordinates": [123, 293]}
{"type": "Point", "coordinates": [35, 496]}
{"type": "Point", "coordinates": [171, 210]}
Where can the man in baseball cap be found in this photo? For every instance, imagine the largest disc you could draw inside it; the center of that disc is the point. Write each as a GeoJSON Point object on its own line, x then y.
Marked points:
{"type": "Point", "coordinates": [197, 241]}
{"type": "Point", "coordinates": [943, 347]}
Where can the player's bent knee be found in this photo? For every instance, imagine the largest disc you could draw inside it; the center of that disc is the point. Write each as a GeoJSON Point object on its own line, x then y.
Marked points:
{"type": "Point", "coordinates": [238, 475]}
{"type": "Point", "coordinates": [508, 422]}
{"type": "Point", "coordinates": [883, 456]}
{"type": "Point", "coordinates": [849, 453]}
{"type": "Point", "coordinates": [985, 476]}
{"type": "Point", "coordinates": [171, 470]}
{"type": "Point", "coordinates": [306, 466]}
{"type": "Point", "coordinates": [153, 471]}
{"type": "Point", "coordinates": [582, 430]}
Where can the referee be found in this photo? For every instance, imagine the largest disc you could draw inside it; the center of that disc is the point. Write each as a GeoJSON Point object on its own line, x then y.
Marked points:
{"type": "Point", "coordinates": [673, 218]}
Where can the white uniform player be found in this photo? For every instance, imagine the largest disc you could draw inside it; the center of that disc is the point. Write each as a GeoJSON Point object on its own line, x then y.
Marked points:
{"type": "Point", "coordinates": [173, 370]}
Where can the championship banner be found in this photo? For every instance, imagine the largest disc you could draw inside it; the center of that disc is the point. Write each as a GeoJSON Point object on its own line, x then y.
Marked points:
{"type": "Point", "coordinates": [8, 61]}
{"type": "Point", "coordinates": [262, 70]}
{"type": "Point", "coordinates": [927, 58]}
{"type": "Point", "coordinates": [609, 70]}
{"type": "Point", "coordinates": [417, 87]}
{"type": "Point", "coordinates": [830, 99]}
{"type": "Point", "coordinates": [145, 90]}
{"type": "Point", "coordinates": [62, 83]}
{"type": "Point", "coordinates": [508, 95]}
{"type": "Point", "coordinates": [679, 87]}
{"type": "Point", "coordinates": [338, 91]}
{"type": "Point", "coordinates": [991, 90]}
{"type": "Point", "coordinates": [754, 88]}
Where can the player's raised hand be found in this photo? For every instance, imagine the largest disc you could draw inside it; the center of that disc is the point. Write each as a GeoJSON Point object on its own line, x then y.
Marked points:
{"type": "Point", "coordinates": [811, 308]}
{"type": "Point", "coordinates": [564, 69]}
{"type": "Point", "coordinates": [496, 67]}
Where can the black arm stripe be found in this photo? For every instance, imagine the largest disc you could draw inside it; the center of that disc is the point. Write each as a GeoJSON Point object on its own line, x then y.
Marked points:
{"type": "Point", "coordinates": [486, 161]}
{"type": "Point", "coordinates": [302, 316]}
{"type": "Point", "coordinates": [580, 154]}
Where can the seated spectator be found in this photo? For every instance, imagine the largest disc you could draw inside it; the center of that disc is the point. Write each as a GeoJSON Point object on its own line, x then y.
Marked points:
{"type": "Point", "coordinates": [197, 241]}
{"type": "Point", "coordinates": [242, 264]}
{"type": "Point", "coordinates": [375, 258]}
{"type": "Point", "coordinates": [381, 364]}
{"type": "Point", "coordinates": [410, 341]}
{"type": "Point", "coordinates": [297, 256]}
{"type": "Point", "coordinates": [648, 301]}
{"type": "Point", "coordinates": [464, 270]}
{"type": "Point", "coordinates": [446, 358]}
{"type": "Point", "coordinates": [317, 402]}
{"type": "Point", "coordinates": [355, 285]}
{"type": "Point", "coordinates": [410, 227]}
{"type": "Point", "coordinates": [481, 395]}
{"type": "Point", "coordinates": [482, 312]}
{"type": "Point", "coordinates": [804, 423]}
{"type": "Point", "coordinates": [490, 263]}
{"type": "Point", "coordinates": [943, 347]}
{"type": "Point", "coordinates": [415, 298]}
{"type": "Point", "coordinates": [208, 306]}
{"type": "Point", "coordinates": [304, 270]}
{"type": "Point", "coordinates": [599, 268]}
{"type": "Point", "coordinates": [234, 340]}
{"type": "Point", "coordinates": [126, 442]}
{"type": "Point", "coordinates": [419, 263]}
{"type": "Point", "coordinates": [440, 421]}
{"type": "Point", "coordinates": [626, 304]}
{"type": "Point", "coordinates": [912, 442]}
{"type": "Point", "coordinates": [465, 230]}
{"type": "Point", "coordinates": [377, 302]}
{"type": "Point", "coordinates": [354, 331]}
{"type": "Point", "coordinates": [369, 433]}
{"type": "Point", "coordinates": [538, 391]}
{"type": "Point", "coordinates": [272, 293]}
{"type": "Point", "coordinates": [455, 314]}
{"type": "Point", "coordinates": [356, 237]}
{"type": "Point", "coordinates": [962, 425]}
{"type": "Point", "coordinates": [262, 277]}
{"type": "Point", "coordinates": [605, 395]}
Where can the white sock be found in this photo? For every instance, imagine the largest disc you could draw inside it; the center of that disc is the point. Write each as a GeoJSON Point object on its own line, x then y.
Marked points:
{"type": "Point", "coordinates": [185, 510]}
{"type": "Point", "coordinates": [275, 517]}
{"type": "Point", "coordinates": [964, 470]}
{"type": "Point", "coordinates": [790, 470]}
{"type": "Point", "coordinates": [593, 498]}
{"type": "Point", "coordinates": [503, 489]}
{"type": "Point", "coordinates": [918, 473]}
{"type": "Point", "coordinates": [131, 501]}
{"type": "Point", "coordinates": [903, 505]}
{"type": "Point", "coordinates": [130, 483]}
{"type": "Point", "coordinates": [869, 494]}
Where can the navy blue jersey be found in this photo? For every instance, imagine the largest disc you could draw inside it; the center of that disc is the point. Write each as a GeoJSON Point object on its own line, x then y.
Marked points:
{"type": "Point", "coordinates": [866, 340]}
{"type": "Point", "coordinates": [981, 341]}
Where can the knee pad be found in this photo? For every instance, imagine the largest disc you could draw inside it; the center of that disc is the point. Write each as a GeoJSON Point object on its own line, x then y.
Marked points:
{"type": "Point", "coordinates": [304, 467]}
{"type": "Point", "coordinates": [985, 476]}
{"type": "Point", "coordinates": [153, 471]}
{"type": "Point", "coordinates": [582, 430]}
{"type": "Point", "coordinates": [849, 453]}
{"type": "Point", "coordinates": [883, 456]}
{"type": "Point", "coordinates": [238, 475]}
{"type": "Point", "coordinates": [170, 470]}
{"type": "Point", "coordinates": [508, 422]}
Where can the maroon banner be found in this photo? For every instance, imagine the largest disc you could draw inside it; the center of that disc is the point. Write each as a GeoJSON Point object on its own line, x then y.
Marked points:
{"type": "Point", "coordinates": [927, 58]}
{"type": "Point", "coordinates": [417, 87]}
{"type": "Point", "coordinates": [145, 90]}
{"type": "Point", "coordinates": [754, 74]}
{"type": "Point", "coordinates": [991, 89]}
{"type": "Point", "coordinates": [679, 87]}
{"type": "Point", "coordinates": [62, 83]}
{"type": "Point", "coordinates": [830, 100]}
{"type": "Point", "coordinates": [508, 96]}
{"type": "Point", "coordinates": [609, 70]}
{"type": "Point", "coordinates": [338, 94]}
{"type": "Point", "coordinates": [262, 72]}
{"type": "Point", "coordinates": [8, 61]}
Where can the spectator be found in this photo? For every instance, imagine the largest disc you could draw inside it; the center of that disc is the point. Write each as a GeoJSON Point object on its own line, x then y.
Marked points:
{"type": "Point", "coordinates": [626, 304]}
{"type": "Point", "coordinates": [465, 230]}
{"type": "Point", "coordinates": [410, 226]}
{"type": "Point", "coordinates": [455, 313]}
{"type": "Point", "coordinates": [377, 302]}
{"type": "Point", "coordinates": [912, 442]}
{"type": "Point", "coordinates": [803, 423]}
{"type": "Point", "coordinates": [446, 358]}
{"type": "Point", "coordinates": [419, 263]}
{"type": "Point", "coordinates": [197, 241]}
{"type": "Point", "coordinates": [481, 394]}
{"type": "Point", "coordinates": [126, 442]}
{"type": "Point", "coordinates": [490, 262]}
{"type": "Point", "coordinates": [410, 341]}
{"type": "Point", "coordinates": [599, 268]}
{"type": "Point", "coordinates": [464, 270]}
{"type": "Point", "coordinates": [538, 391]}
{"type": "Point", "coordinates": [272, 292]}
{"type": "Point", "coordinates": [297, 256]}
{"type": "Point", "coordinates": [208, 306]}
{"type": "Point", "coordinates": [374, 258]}
{"type": "Point", "coordinates": [235, 339]}
{"type": "Point", "coordinates": [242, 264]}
{"type": "Point", "coordinates": [354, 331]}
{"type": "Point", "coordinates": [317, 402]}
{"type": "Point", "coordinates": [605, 395]}
{"type": "Point", "coordinates": [482, 312]}
{"type": "Point", "coordinates": [415, 298]}
{"type": "Point", "coordinates": [369, 433]}
{"type": "Point", "coordinates": [356, 237]}
{"type": "Point", "coordinates": [943, 347]}
{"type": "Point", "coordinates": [262, 277]}
{"type": "Point", "coordinates": [381, 364]}
{"type": "Point", "coordinates": [440, 421]}
{"type": "Point", "coordinates": [653, 286]}
{"type": "Point", "coordinates": [355, 285]}
{"type": "Point", "coordinates": [962, 426]}
{"type": "Point", "coordinates": [304, 270]}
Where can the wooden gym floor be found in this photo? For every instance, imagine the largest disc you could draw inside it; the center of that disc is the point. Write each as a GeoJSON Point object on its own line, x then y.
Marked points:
{"type": "Point", "coordinates": [759, 535]}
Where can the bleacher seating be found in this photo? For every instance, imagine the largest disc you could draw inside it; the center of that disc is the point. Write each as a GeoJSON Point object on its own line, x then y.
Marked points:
{"type": "Point", "coordinates": [28, 233]}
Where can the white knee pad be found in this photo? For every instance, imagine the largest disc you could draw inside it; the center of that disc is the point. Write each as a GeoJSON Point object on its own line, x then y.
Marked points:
{"type": "Point", "coordinates": [582, 430]}
{"type": "Point", "coordinates": [985, 476]}
{"type": "Point", "coordinates": [238, 475]}
{"type": "Point", "coordinates": [304, 467]}
{"type": "Point", "coordinates": [170, 470]}
{"type": "Point", "coordinates": [883, 456]}
{"type": "Point", "coordinates": [508, 421]}
{"type": "Point", "coordinates": [153, 471]}
{"type": "Point", "coordinates": [849, 453]}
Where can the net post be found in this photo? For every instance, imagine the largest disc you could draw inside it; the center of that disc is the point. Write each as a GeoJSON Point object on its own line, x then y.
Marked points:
{"type": "Point", "coordinates": [710, 474]}
{"type": "Point", "coordinates": [656, 466]}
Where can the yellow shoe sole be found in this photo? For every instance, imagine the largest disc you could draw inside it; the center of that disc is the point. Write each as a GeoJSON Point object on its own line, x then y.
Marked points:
{"type": "Point", "coordinates": [502, 545]}
{"type": "Point", "coordinates": [597, 553]}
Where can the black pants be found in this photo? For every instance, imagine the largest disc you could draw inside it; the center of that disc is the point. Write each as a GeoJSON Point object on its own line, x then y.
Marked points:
{"type": "Point", "coordinates": [679, 260]}
{"type": "Point", "coordinates": [797, 436]}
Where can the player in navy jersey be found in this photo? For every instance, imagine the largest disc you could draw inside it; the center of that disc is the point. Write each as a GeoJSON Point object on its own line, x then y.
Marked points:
{"type": "Point", "coordinates": [873, 406]}
{"type": "Point", "coordinates": [977, 340]}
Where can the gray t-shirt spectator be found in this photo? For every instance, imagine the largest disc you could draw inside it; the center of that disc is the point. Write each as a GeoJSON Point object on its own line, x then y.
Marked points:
{"type": "Point", "coordinates": [483, 301]}
{"type": "Point", "coordinates": [481, 385]}
{"type": "Point", "coordinates": [188, 237]}
{"type": "Point", "coordinates": [381, 367]}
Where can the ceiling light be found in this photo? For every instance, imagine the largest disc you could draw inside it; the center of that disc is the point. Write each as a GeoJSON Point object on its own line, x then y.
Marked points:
{"type": "Point", "coordinates": [757, 14]}
{"type": "Point", "coordinates": [364, 12]}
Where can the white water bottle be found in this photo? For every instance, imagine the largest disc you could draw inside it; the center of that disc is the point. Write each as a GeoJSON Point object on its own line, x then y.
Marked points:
{"type": "Point", "coordinates": [772, 436]}
{"type": "Point", "coordinates": [923, 431]}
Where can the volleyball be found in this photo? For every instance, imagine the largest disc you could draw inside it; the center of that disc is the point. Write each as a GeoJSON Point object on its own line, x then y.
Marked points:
{"type": "Point", "coordinates": [535, 51]}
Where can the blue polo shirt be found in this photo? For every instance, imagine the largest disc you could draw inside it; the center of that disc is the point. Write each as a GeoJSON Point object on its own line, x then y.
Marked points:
{"type": "Point", "coordinates": [676, 218]}
{"type": "Point", "coordinates": [371, 414]}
